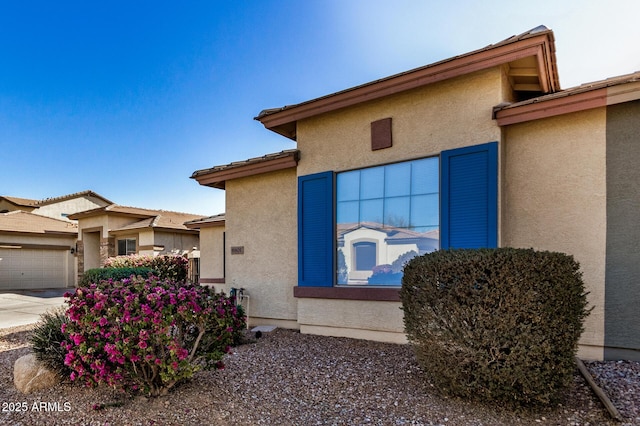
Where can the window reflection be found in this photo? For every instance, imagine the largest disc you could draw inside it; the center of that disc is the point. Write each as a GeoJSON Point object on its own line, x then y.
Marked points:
{"type": "Point", "coordinates": [385, 216]}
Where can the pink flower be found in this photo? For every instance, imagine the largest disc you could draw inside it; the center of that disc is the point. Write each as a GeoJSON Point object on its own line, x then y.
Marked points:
{"type": "Point", "coordinates": [182, 353]}
{"type": "Point", "coordinates": [103, 321]}
{"type": "Point", "coordinates": [142, 344]}
{"type": "Point", "coordinates": [77, 338]}
{"type": "Point", "coordinates": [146, 309]}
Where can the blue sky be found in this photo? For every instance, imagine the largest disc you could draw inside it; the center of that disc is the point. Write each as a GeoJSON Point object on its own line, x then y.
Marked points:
{"type": "Point", "coordinates": [129, 98]}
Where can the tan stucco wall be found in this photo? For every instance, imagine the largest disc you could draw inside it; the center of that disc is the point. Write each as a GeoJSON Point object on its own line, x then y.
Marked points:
{"type": "Point", "coordinates": [107, 223]}
{"type": "Point", "coordinates": [261, 218]}
{"type": "Point", "coordinates": [212, 252]}
{"type": "Point", "coordinates": [174, 242]}
{"type": "Point", "coordinates": [91, 250]}
{"type": "Point", "coordinates": [425, 121]}
{"type": "Point", "coordinates": [144, 238]}
{"type": "Point", "coordinates": [554, 198]}
{"type": "Point", "coordinates": [66, 207]}
{"type": "Point", "coordinates": [371, 320]}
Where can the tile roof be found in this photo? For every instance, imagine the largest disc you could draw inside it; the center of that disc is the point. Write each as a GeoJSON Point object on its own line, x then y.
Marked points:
{"type": "Point", "coordinates": [148, 218]}
{"type": "Point", "coordinates": [216, 220]}
{"type": "Point", "coordinates": [87, 193]}
{"type": "Point", "coordinates": [611, 91]}
{"type": "Point", "coordinates": [393, 233]}
{"type": "Point", "coordinates": [20, 221]}
{"type": "Point", "coordinates": [217, 176]}
{"type": "Point", "coordinates": [23, 202]}
{"type": "Point", "coordinates": [27, 202]}
{"type": "Point", "coordinates": [586, 87]}
{"type": "Point", "coordinates": [243, 163]}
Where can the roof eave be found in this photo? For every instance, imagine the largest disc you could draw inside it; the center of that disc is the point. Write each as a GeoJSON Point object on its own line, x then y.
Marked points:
{"type": "Point", "coordinates": [539, 44]}
{"type": "Point", "coordinates": [218, 176]}
{"type": "Point", "coordinates": [588, 96]}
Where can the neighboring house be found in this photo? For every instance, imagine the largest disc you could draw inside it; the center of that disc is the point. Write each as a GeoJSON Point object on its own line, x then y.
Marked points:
{"type": "Point", "coordinates": [57, 207]}
{"type": "Point", "coordinates": [36, 251]}
{"type": "Point", "coordinates": [368, 251]}
{"type": "Point", "coordinates": [211, 269]}
{"type": "Point", "coordinates": [118, 230]}
{"type": "Point", "coordinates": [38, 240]}
{"type": "Point", "coordinates": [480, 150]}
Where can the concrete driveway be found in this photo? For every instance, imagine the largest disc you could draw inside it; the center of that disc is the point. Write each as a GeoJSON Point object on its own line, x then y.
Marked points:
{"type": "Point", "coordinates": [21, 307]}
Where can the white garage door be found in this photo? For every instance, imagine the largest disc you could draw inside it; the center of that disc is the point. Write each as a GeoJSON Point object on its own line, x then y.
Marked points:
{"type": "Point", "coordinates": [32, 268]}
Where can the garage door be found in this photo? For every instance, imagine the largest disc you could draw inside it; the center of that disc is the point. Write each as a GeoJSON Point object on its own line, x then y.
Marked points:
{"type": "Point", "coordinates": [32, 268]}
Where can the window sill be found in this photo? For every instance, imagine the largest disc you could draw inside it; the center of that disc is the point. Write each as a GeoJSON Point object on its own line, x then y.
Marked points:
{"type": "Point", "coordinates": [211, 281]}
{"type": "Point", "coordinates": [349, 293]}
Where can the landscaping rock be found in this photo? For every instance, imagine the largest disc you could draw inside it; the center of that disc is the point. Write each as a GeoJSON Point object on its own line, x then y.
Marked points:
{"type": "Point", "coordinates": [29, 375]}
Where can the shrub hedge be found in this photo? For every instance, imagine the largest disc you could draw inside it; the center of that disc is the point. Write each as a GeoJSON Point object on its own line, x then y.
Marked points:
{"type": "Point", "coordinates": [500, 325]}
{"type": "Point", "coordinates": [96, 275]}
{"type": "Point", "coordinates": [166, 266]}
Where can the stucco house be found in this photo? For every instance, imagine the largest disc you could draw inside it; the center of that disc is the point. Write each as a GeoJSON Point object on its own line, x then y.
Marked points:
{"type": "Point", "coordinates": [38, 240]}
{"type": "Point", "coordinates": [56, 207]}
{"type": "Point", "coordinates": [116, 230]}
{"type": "Point", "coordinates": [210, 270]}
{"type": "Point", "coordinates": [480, 150]}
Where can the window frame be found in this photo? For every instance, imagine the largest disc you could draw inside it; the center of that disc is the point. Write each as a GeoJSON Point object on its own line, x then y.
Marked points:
{"type": "Point", "coordinates": [127, 251]}
{"type": "Point", "coordinates": [328, 289]}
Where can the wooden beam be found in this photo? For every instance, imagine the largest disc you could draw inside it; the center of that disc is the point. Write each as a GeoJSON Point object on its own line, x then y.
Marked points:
{"type": "Point", "coordinates": [527, 87]}
{"type": "Point", "coordinates": [613, 411]}
{"type": "Point", "coordinates": [523, 72]}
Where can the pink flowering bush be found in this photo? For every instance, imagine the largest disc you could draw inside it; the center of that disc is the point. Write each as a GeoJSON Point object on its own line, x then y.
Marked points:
{"type": "Point", "coordinates": [145, 335]}
{"type": "Point", "coordinates": [167, 266]}
{"type": "Point", "coordinates": [129, 261]}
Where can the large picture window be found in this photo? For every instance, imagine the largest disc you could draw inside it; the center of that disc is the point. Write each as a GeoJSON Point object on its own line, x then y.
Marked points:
{"type": "Point", "coordinates": [359, 227]}
{"type": "Point", "coordinates": [385, 216]}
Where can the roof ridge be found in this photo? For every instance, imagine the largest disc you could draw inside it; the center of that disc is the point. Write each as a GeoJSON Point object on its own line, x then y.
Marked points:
{"type": "Point", "coordinates": [153, 210]}
{"type": "Point", "coordinates": [72, 195]}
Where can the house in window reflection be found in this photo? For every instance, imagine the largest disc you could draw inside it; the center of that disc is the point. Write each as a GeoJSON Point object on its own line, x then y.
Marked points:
{"type": "Point", "coordinates": [370, 253]}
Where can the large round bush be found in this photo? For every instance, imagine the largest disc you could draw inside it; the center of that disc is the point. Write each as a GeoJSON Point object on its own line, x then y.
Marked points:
{"type": "Point", "coordinates": [500, 325]}
{"type": "Point", "coordinates": [145, 335]}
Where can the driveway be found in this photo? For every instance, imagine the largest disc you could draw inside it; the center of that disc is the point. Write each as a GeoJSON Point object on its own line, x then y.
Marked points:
{"type": "Point", "coordinates": [21, 307]}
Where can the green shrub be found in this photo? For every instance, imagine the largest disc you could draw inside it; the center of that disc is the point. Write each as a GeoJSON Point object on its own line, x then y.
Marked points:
{"type": "Point", "coordinates": [47, 338]}
{"type": "Point", "coordinates": [166, 266]}
{"type": "Point", "coordinates": [499, 325]}
{"type": "Point", "coordinates": [105, 274]}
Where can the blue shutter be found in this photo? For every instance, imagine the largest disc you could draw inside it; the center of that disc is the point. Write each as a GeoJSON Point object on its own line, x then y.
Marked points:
{"type": "Point", "coordinates": [469, 197]}
{"type": "Point", "coordinates": [315, 230]}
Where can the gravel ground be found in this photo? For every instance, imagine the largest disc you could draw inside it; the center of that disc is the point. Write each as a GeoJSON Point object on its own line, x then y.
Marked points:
{"type": "Point", "coordinates": [287, 378]}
